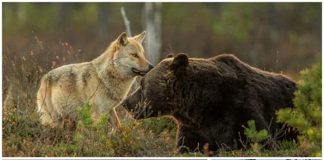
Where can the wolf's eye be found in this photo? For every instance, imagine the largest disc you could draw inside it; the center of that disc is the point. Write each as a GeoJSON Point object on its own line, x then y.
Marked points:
{"type": "Point", "coordinates": [134, 55]}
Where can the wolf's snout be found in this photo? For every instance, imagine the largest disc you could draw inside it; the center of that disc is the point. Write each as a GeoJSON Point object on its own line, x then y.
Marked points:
{"type": "Point", "coordinates": [142, 72]}
{"type": "Point", "coordinates": [139, 72]}
{"type": "Point", "coordinates": [130, 102]}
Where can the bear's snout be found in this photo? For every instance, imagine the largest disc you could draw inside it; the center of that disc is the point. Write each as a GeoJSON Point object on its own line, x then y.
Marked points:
{"type": "Point", "coordinates": [125, 104]}
{"type": "Point", "coordinates": [130, 102]}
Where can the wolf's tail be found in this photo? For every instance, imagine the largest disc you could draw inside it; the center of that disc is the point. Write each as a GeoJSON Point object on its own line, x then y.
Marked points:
{"type": "Point", "coordinates": [44, 103]}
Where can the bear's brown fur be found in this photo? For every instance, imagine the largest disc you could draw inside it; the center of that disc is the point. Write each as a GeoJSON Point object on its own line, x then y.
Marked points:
{"type": "Point", "coordinates": [211, 99]}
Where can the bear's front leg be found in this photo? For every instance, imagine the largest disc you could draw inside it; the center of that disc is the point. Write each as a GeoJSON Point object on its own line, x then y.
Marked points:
{"type": "Point", "coordinates": [188, 140]}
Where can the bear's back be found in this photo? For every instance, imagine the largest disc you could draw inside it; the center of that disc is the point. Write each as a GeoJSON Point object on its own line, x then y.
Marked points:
{"type": "Point", "coordinates": [259, 94]}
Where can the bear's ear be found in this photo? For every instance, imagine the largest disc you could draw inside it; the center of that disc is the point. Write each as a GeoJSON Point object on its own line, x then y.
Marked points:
{"type": "Point", "coordinates": [179, 64]}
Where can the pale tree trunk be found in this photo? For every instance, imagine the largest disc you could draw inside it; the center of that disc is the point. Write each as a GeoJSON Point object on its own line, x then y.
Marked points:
{"type": "Point", "coordinates": [153, 19]}
{"type": "Point", "coordinates": [126, 22]}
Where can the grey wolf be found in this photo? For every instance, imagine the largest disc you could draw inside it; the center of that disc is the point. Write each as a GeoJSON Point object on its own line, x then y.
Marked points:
{"type": "Point", "coordinates": [102, 83]}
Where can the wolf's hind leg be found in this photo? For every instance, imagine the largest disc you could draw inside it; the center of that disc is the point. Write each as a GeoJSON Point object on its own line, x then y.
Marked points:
{"type": "Point", "coordinates": [44, 103]}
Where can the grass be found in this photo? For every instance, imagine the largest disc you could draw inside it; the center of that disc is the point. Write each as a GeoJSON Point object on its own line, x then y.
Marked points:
{"type": "Point", "coordinates": [24, 136]}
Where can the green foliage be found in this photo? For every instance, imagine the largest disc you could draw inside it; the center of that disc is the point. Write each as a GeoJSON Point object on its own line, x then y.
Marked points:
{"type": "Point", "coordinates": [85, 114]}
{"type": "Point", "coordinates": [160, 124]}
{"type": "Point", "coordinates": [253, 134]}
{"type": "Point", "coordinates": [307, 114]}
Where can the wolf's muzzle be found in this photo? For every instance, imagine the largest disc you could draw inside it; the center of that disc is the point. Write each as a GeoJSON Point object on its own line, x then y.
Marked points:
{"type": "Point", "coordinates": [140, 72]}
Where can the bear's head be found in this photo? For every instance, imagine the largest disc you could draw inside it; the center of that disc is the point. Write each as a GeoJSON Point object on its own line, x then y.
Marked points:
{"type": "Point", "coordinates": [178, 85]}
{"type": "Point", "coordinates": [155, 96]}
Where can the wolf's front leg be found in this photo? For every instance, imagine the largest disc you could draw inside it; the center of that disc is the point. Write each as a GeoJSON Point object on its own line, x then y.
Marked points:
{"type": "Point", "coordinates": [115, 118]}
{"type": "Point", "coordinates": [105, 109]}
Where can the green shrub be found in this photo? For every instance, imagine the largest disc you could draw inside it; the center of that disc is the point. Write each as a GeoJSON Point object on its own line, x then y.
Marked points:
{"type": "Point", "coordinates": [306, 116]}
{"type": "Point", "coordinates": [85, 115]}
{"type": "Point", "coordinates": [160, 124]}
{"type": "Point", "coordinates": [255, 136]}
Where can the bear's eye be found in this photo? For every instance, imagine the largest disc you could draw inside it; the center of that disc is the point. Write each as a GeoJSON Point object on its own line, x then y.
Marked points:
{"type": "Point", "coordinates": [134, 55]}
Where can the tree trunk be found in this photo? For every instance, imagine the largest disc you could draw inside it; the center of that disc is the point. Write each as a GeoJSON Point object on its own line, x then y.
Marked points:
{"type": "Point", "coordinates": [153, 19]}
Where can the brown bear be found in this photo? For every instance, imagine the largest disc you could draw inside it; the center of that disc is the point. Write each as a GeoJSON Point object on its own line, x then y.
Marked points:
{"type": "Point", "coordinates": [211, 99]}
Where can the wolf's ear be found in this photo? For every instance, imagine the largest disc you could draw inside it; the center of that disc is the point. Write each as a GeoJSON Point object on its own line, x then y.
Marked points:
{"type": "Point", "coordinates": [122, 39]}
{"type": "Point", "coordinates": [179, 64]}
{"type": "Point", "coordinates": [140, 37]}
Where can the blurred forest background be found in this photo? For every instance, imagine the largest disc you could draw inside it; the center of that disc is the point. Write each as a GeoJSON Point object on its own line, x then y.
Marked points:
{"type": "Point", "coordinates": [280, 37]}
{"type": "Point", "coordinates": [37, 37]}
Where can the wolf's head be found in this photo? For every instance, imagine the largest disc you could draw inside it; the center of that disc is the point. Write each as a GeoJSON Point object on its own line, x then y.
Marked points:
{"type": "Point", "coordinates": [129, 56]}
